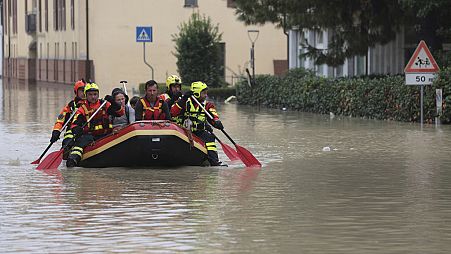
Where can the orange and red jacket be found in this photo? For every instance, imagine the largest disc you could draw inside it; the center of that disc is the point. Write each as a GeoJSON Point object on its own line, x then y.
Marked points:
{"type": "Point", "coordinates": [66, 112]}
{"type": "Point", "coordinates": [100, 124]}
{"type": "Point", "coordinates": [145, 111]}
{"type": "Point", "coordinates": [165, 97]}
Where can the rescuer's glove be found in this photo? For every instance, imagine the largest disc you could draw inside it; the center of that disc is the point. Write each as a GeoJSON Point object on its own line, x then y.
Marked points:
{"type": "Point", "coordinates": [187, 95]}
{"type": "Point", "coordinates": [218, 125]}
{"type": "Point", "coordinates": [110, 99]}
{"type": "Point", "coordinates": [55, 136]}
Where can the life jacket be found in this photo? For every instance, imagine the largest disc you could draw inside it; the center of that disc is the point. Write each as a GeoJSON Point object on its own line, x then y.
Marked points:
{"type": "Point", "coordinates": [177, 119]}
{"type": "Point", "coordinates": [196, 115]}
{"type": "Point", "coordinates": [65, 114]}
{"type": "Point", "coordinates": [155, 112]}
{"type": "Point", "coordinates": [100, 124]}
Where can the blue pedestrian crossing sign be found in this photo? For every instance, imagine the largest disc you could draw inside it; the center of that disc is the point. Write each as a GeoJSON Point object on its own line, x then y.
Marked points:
{"type": "Point", "coordinates": [144, 34]}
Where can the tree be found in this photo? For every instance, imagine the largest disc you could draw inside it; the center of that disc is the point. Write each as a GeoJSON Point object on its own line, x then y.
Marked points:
{"type": "Point", "coordinates": [430, 20]}
{"type": "Point", "coordinates": [355, 25]}
{"type": "Point", "coordinates": [198, 51]}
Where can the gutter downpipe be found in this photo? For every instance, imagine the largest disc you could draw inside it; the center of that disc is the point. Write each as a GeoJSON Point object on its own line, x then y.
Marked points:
{"type": "Point", "coordinates": [286, 32]}
{"type": "Point", "coordinates": [88, 63]}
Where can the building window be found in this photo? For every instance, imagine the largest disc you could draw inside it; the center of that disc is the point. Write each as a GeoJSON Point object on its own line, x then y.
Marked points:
{"type": "Point", "coordinates": [55, 15]}
{"type": "Point", "coordinates": [14, 17]}
{"type": "Point", "coordinates": [359, 65]}
{"type": "Point", "coordinates": [231, 4]}
{"type": "Point", "coordinates": [5, 19]}
{"type": "Point", "coordinates": [339, 71]}
{"type": "Point", "coordinates": [190, 3]}
{"type": "Point", "coordinates": [47, 62]}
{"type": "Point", "coordinates": [9, 8]}
{"type": "Point", "coordinates": [63, 15]}
{"type": "Point", "coordinates": [72, 14]}
{"type": "Point", "coordinates": [46, 15]}
{"type": "Point", "coordinates": [40, 15]}
{"type": "Point", "coordinates": [319, 37]}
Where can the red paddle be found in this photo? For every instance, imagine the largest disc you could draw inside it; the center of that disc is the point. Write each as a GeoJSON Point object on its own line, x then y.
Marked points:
{"type": "Point", "coordinates": [246, 157]}
{"type": "Point", "coordinates": [51, 143]}
{"type": "Point", "coordinates": [53, 160]}
{"type": "Point", "coordinates": [229, 151]}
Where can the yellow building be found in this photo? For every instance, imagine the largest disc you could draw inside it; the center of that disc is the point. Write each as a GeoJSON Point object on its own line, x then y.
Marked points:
{"type": "Point", "coordinates": [65, 40]}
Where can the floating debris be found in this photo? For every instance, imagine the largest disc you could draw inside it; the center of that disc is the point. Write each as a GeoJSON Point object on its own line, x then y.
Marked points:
{"type": "Point", "coordinates": [326, 149]}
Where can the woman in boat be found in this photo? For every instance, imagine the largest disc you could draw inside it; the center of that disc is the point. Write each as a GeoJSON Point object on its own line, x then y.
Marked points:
{"type": "Point", "coordinates": [121, 98]}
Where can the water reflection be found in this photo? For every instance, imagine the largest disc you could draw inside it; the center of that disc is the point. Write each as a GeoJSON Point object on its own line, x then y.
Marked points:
{"type": "Point", "coordinates": [32, 104]}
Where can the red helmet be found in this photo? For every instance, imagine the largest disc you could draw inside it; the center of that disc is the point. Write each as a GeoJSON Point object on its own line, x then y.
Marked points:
{"type": "Point", "coordinates": [79, 84]}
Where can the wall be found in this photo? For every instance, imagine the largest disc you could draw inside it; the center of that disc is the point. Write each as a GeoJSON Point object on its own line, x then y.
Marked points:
{"type": "Point", "coordinates": [117, 56]}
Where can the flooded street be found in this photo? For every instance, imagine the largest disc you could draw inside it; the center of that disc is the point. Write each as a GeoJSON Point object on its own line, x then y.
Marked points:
{"type": "Point", "coordinates": [340, 185]}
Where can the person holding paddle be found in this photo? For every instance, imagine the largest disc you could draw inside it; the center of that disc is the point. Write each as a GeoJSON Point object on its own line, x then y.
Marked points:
{"type": "Point", "coordinates": [198, 119]}
{"type": "Point", "coordinates": [66, 115]}
{"type": "Point", "coordinates": [98, 126]}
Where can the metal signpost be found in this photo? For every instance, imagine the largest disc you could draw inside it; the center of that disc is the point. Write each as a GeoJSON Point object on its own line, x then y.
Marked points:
{"type": "Point", "coordinates": [438, 104]}
{"type": "Point", "coordinates": [421, 70]}
{"type": "Point", "coordinates": [145, 34]}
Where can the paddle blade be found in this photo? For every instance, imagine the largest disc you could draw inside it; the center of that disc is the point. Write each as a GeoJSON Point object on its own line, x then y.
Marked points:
{"type": "Point", "coordinates": [230, 152]}
{"type": "Point", "coordinates": [52, 161]}
{"type": "Point", "coordinates": [36, 161]}
{"type": "Point", "coordinates": [248, 159]}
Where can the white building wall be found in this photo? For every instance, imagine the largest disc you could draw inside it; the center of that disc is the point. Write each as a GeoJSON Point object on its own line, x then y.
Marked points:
{"type": "Point", "coordinates": [381, 59]}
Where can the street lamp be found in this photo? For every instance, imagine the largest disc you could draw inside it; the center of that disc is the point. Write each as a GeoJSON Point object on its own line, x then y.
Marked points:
{"type": "Point", "coordinates": [253, 36]}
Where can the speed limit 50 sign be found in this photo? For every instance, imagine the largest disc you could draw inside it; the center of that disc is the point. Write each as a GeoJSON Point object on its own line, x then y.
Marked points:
{"type": "Point", "coordinates": [420, 78]}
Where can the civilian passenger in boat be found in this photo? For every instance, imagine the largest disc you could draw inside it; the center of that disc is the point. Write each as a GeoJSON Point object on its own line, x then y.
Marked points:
{"type": "Point", "coordinates": [152, 106]}
{"type": "Point", "coordinates": [133, 101]}
{"type": "Point", "coordinates": [129, 117]}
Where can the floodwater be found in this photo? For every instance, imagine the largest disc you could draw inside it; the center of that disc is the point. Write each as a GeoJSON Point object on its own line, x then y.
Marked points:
{"type": "Point", "coordinates": [328, 185]}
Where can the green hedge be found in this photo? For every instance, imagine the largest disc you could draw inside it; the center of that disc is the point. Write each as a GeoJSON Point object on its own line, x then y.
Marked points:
{"type": "Point", "coordinates": [377, 97]}
{"type": "Point", "coordinates": [213, 92]}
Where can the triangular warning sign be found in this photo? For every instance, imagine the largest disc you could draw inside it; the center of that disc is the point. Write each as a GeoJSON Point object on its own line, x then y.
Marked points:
{"type": "Point", "coordinates": [143, 35]}
{"type": "Point", "coordinates": [422, 61]}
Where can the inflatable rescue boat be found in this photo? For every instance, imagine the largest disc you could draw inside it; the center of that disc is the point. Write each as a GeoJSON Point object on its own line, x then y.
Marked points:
{"type": "Point", "coordinates": [146, 144]}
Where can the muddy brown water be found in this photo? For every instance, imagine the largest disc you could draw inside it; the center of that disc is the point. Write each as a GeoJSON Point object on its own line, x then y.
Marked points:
{"type": "Point", "coordinates": [340, 185]}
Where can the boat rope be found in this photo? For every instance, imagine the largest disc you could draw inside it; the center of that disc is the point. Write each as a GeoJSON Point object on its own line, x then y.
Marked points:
{"type": "Point", "coordinates": [187, 127]}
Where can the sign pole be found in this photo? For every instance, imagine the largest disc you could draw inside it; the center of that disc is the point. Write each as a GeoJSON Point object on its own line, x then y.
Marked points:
{"type": "Point", "coordinates": [145, 61]}
{"type": "Point", "coordinates": [145, 34]}
{"type": "Point", "coordinates": [421, 103]}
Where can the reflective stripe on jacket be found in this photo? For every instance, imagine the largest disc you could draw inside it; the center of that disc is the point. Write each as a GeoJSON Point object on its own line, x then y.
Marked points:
{"type": "Point", "coordinates": [65, 114]}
